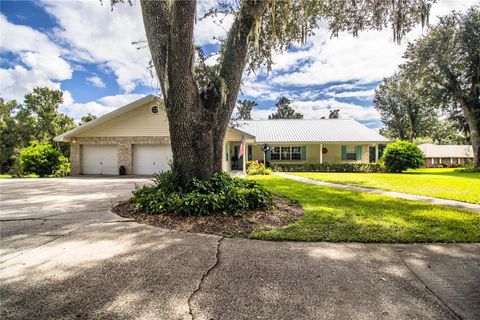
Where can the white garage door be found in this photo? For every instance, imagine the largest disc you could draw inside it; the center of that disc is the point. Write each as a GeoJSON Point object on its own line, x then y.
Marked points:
{"type": "Point", "coordinates": [149, 159]}
{"type": "Point", "coordinates": [99, 159]}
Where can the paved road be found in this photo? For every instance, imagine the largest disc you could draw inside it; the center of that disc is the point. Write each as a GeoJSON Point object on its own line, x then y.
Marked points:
{"type": "Point", "coordinates": [64, 255]}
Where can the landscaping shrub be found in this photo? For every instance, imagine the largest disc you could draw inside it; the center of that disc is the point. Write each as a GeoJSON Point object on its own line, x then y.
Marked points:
{"type": "Point", "coordinates": [256, 168]}
{"type": "Point", "coordinates": [327, 167]}
{"type": "Point", "coordinates": [402, 155]}
{"type": "Point", "coordinates": [40, 159]}
{"type": "Point", "coordinates": [222, 193]}
{"type": "Point", "coordinates": [63, 169]}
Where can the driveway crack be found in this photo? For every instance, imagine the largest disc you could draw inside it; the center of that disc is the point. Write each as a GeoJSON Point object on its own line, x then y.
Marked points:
{"type": "Point", "coordinates": [202, 279]}
{"type": "Point", "coordinates": [430, 290]}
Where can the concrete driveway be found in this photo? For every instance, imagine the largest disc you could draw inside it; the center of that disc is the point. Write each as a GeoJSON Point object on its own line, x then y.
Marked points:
{"type": "Point", "coordinates": [64, 255]}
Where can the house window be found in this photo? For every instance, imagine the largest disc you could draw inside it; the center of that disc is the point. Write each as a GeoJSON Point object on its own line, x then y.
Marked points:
{"type": "Point", "coordinates": [296, 153]}
{"type": "Point", "coordinates": [351, 153]}
{"type": "Point", "coordinates": [154, 109]}
{"type": "Point", "coordinates": [454, 160]}
{"type": "Point", "coordinates": [286, 153]}
{"type": "Point", "coordinates": [275, 153]}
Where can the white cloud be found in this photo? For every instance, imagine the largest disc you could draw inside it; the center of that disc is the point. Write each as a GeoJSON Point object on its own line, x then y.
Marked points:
{"type": "Point", "coordinates": [360, 94]}
{"type": "Point", "coordinates": [321, 108]}
{"type": "Point", "coordinates": [97, 35]}
{"type": "Point", "coordinates": [96, 82]}
{"type": "Point", "coordinates": [39, 61]}
{"type": "Point", "coordinates": [98, 107]}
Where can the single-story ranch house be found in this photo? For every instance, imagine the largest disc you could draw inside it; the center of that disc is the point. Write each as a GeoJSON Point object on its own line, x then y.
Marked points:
{"type": "Point", "coordinates": [450, 155]}
{"type": "Point", "coordinates": [136, 137]}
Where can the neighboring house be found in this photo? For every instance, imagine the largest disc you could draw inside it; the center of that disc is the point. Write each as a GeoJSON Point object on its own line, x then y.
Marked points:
{"type": "Point", "coordinates": [450, 155]}
{"type": "Point", "coordinates": [137, 138]}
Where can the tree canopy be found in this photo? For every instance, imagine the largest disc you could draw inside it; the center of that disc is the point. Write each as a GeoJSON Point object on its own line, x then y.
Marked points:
{"type": "Point", "coordinates": [334, 114]}
{"type": "Point", "coordinates": [244, 108]}
{"type": "Point", "coordinates": [445, 64]}
{"type": "Point", "coordinates": [403, 109]}
{"type": "Point", "coordinates": [36, 120]}
{"type": "Point", "coordinates": [284, 110]}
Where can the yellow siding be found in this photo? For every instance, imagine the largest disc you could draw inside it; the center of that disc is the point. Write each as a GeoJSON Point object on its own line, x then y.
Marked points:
{"type": "Point", "coordinates": [232, 135]}
{"type": "Point", "coordinates": [138, 122]}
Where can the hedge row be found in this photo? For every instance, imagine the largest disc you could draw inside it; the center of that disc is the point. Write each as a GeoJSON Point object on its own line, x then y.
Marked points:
{"type": "Point", "coordinates": [327, 167]}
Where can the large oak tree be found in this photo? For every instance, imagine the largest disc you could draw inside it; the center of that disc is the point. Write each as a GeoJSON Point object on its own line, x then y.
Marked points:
{"type": "Point", "coordinates": [446, 65]}
{"type": "Point", "coordinates": [199, 115]}
{"type": "Point", "coordinates": [404, 111]}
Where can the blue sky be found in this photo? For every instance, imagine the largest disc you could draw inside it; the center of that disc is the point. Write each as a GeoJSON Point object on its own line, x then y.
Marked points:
{"type": "Point", "coordinates": [86, 50]}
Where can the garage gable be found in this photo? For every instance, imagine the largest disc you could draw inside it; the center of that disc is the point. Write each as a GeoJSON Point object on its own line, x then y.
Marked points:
{"type": "Point", "coordinates": [149, 119]}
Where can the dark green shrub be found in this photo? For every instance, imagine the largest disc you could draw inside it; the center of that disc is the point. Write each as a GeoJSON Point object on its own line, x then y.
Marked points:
{"type": "Point", "coordinates": [222, 193]}
{"type": "Point", "coordinates": [40, 159]}
{"type": "Point", "coordinates": [402, 155]}
{"type": "Point", "coordinates": [327, 167]}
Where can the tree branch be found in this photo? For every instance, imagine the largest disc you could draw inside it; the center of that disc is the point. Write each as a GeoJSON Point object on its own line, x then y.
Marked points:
{"type": "Point", "coordinates": [235, 55]}
{"type": "Point", "coordinates": [157, 27]}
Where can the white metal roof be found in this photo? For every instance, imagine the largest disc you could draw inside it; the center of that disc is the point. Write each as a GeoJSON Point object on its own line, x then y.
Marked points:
{"type": "Point", "coordinates": [267, 131]}
{"type": "Point", "coordinates": [446, 151]}
{"type": "Point", "coordinates": [322, 130]}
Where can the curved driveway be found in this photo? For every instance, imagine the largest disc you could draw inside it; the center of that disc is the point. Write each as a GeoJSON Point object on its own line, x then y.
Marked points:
{"type": "Point", "coordinates": [63, 254]}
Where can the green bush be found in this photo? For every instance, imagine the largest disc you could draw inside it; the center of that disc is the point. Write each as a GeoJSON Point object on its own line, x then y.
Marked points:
{"type": "Point", "coordinates": [327, 167]}
{"type": "Point", "coordinates": [64, 168]}
{"type": "Point", "coordinates": [222, 193]}
{"type": "Point", "coordinates": [40, 159]}
{"type": "Point", "coordinates": [402, 155]}
{"type": "Point", "coordinates": [256, 168]}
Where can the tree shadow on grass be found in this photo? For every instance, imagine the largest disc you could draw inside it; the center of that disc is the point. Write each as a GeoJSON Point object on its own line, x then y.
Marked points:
{"type": "Point", "coordinates": [341, 215]}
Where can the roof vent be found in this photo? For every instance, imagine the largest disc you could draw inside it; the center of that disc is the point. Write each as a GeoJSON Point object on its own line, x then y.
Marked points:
{"type": "Point", "coordinates": [154, 109]}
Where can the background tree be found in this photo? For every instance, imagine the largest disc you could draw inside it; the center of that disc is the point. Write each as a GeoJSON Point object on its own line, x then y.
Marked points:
{"type": "Point", "coordinates": [334, 114]}
{"type": "Point", "coordinates": [244, 108]}
{"type": "Point", "coordinates": [404, 111]}
{"type": "Point", "coordinates": [87, 118]}
{"type": "Point", "coordinates": [199, 114]}
{"type": "Point", "coordinates": [284, 110]}
{"type": "Point", "coordinates": [36, 120]}
{"type": "Point", "coordinates": [9, 137]}
{"type": "Point", "coordinates": [41, 117]}
{"type": "Point", "coordinates": [446, 63]}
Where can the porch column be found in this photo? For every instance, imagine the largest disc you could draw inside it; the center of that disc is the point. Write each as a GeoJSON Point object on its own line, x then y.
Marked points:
{"type": "Point", "coordinates": [451, 160]}
{"type": "Point", "coordinates": [439, 160]}
{"type": "Point", "coordinates": [321, 153]}
{"type": "Point", "coordinates": [245, 158]}
{"type": "Point", "coordinates": [376, 153]}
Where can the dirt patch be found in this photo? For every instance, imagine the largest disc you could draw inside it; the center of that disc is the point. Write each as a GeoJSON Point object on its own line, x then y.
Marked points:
{"type": "Point", "coordinates": [282, 213]}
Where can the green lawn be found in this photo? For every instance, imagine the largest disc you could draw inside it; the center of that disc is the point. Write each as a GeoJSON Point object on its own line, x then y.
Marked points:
{"type": "Point", "coordinates": [441, 183]}
{"type": "Point", "coordinates": [340, 215]}
{"type": "Point", "coordinates": [8, 176]}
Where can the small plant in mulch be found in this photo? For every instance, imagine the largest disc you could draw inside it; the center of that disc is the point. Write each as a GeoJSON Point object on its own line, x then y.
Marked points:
{"type": "Point", "coordinates": [223, 205]}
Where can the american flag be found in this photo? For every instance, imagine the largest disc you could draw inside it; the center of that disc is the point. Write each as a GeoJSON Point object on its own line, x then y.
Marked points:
{"type": "Point", "coordinates": [241, 152]}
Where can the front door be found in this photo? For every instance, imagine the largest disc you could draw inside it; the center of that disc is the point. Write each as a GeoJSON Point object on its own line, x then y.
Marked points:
{"type": "Point", "coordinates": [239, 163]}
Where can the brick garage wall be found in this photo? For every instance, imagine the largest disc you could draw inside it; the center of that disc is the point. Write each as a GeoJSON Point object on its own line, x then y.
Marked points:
{"type": "Point", "coordinates": [124, 147]}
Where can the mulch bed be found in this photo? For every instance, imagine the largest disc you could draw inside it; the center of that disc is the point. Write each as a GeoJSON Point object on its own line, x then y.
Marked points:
{"type": "Point", "coordinates": [282, 213]}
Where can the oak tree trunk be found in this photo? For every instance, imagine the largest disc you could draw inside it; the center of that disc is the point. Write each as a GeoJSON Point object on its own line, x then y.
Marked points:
{"type": "Point", "coordinates": [471, 110]}
{"type": "Point", "coordinates": [197, 120]}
